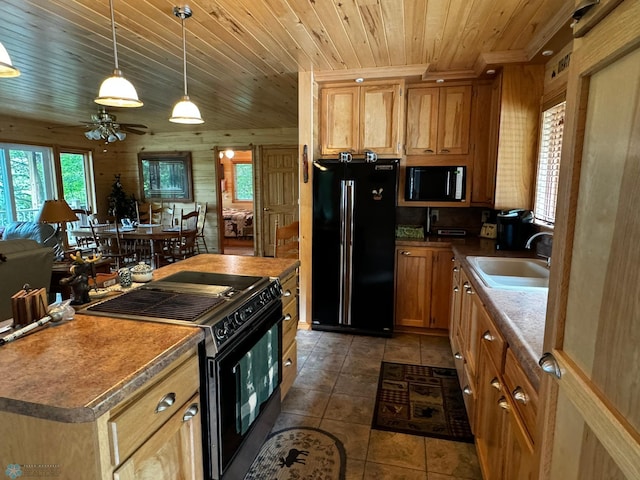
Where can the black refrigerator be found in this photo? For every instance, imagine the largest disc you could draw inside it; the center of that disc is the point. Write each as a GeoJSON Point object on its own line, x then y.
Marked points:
{"type": "Point", "coordinates": [353, 253]}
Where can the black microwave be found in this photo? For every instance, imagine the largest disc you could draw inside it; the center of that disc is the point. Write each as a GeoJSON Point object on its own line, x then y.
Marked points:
{"type": "Point", "coordinates": [435, 184]}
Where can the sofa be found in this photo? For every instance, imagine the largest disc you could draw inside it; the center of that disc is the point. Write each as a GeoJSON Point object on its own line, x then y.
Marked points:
{"type": "Point", "coordinates": [43, 233]}
{"type": "Point", "coordinates": [22, 261]}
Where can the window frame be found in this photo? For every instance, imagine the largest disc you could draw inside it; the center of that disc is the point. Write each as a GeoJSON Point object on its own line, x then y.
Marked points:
{"type": "Point", "coordinates": [234, 175]}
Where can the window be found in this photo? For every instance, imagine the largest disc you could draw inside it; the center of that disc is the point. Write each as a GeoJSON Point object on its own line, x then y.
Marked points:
{"type": "Point", "coordinates": [242, 182]}
{"type": "Point", "coordinates": [546, 192]}
{"type": "Point", "coordinates": [28, 178]}
{"type": "Point", "coordinates": [77, 179]}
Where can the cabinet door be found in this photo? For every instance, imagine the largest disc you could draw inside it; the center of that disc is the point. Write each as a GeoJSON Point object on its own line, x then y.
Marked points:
{"type": "Point", "coordinates": [456, 302]}
{"type": "Point", "coordinates": [441, 288]}
{"type": "Point", "coordinates": [422, 120]}
{"type": "Point", "coordinates": [339, 123]}
{"type": "Point", "coordinates": [490, 418]}
{"type": "Point", "coordinates": [379, 118]}
{"type": "Point", "coordinates": [518, 451]}
{"type": "Point", "coordinates": [468, 331]}
{"type": "Point", "coordinates": [413, 286]}
{"type": "Point", "coordinates": [454, 118]}
{"type": "Point", "coordinates": [592, 401]}
{"type": "Point", "coordinates": [485, 118]}
{"type": "Point", "coordinates": [174, 451]}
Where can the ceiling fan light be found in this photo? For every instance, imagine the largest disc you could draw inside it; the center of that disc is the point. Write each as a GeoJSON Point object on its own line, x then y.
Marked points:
{"type": "Point", "coordinates": [185, 111]}
{"type": "Point", "coordinates": [7, 69]}
{"type": "Point", "coordinates": [117, 91]}
{"type": "Point", "coordinates": [121, 135]}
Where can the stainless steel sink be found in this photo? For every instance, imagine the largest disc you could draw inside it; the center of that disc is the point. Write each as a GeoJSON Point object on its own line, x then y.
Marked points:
{"type": "Point", "coordinates": [511, 273]}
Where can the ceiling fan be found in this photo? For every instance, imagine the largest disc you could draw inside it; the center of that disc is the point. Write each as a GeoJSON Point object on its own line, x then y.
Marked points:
{"type": "Point", "coordinates": [104, 126]}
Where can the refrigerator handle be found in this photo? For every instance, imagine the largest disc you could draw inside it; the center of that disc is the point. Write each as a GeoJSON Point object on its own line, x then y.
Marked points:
{"type": "Point", "coordinates": [347, 195]}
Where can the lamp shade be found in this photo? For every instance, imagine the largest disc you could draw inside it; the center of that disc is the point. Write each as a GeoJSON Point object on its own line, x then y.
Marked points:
{"type": "Point", "coordinates": [185, 111]}
{"type": "Point", "coordinates": [6, 67]}
{"type": "Point", "coordinates": [117, 91]}
{"type": "Point", "coordinates": [56, 211]}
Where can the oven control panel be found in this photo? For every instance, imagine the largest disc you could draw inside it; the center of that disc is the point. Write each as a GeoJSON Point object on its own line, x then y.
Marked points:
{"type": "Point", "coordinates": [225, 328]}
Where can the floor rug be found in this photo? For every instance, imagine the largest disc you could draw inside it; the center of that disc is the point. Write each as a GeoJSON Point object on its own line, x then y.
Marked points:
{"type": "Point", "coordinates": [299, 453]}
{"type": "Point", "coordinates": [421, 400]}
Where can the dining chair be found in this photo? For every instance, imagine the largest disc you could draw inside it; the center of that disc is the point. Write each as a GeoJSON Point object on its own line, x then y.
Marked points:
{"type": "Point", "coordinates": [184, 245]}
{"type": "Point", "coordinates": [155, 213]}
{"type": "Point", "coordinates": [112, 245]}
{"type": "Point", "coordinates": [81, 241]}
{"type": "Point", "coordinates": [202, 218]}
{"type": "Point", "coordinates": [287, 240]}
{"type": "Point", "coordinates": [143, 214]}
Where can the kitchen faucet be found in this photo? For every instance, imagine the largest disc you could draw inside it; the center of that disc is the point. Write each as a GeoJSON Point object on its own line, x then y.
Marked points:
{"type": "Point", "coordinates": [533, 237]}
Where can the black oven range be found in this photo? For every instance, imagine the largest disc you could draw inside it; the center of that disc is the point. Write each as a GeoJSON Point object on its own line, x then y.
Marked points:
{"type": "Point", "coordinates": [240, 368]}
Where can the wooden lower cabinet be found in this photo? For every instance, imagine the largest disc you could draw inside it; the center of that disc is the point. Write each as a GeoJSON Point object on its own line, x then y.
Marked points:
{"type": "Point", "coordinates": [153, 433]}
{"type": "Point", "coordinates": [423, 286]}
{"type": "Point", "coordinates": [290, 309]}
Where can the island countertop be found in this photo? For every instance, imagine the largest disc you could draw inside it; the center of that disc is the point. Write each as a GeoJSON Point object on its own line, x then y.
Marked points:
{"type": "Point", "coordinates": [78, 370]}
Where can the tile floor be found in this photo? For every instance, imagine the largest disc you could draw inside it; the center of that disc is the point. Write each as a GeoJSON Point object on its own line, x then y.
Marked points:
{"type": "Point", "coordinates": [336, 389]}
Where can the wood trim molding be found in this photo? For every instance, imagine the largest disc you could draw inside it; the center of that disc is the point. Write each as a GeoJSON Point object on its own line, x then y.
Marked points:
{"type": "Point", "coordinates": [373, 73]}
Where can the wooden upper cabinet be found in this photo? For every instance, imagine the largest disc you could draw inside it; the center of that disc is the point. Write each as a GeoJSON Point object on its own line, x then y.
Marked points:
{"type": "Point", "coordinates": [355, 119]}
{"type": "Point", "coordinates": [438, 120]}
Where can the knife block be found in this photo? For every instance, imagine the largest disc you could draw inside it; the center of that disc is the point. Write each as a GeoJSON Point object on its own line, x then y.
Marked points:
{"type": "Point", "coordinates": [28, 306]}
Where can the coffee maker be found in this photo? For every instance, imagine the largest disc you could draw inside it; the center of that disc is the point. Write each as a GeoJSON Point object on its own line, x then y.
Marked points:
{"type": "Point", "coordinates": [513, 229]}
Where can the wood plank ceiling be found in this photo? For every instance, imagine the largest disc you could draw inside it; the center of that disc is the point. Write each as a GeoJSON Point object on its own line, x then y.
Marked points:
{"type": "Point", "coordinates": [243, 55]}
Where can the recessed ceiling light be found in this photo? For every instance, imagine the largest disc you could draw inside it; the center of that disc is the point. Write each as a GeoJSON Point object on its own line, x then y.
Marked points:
{"type": "Point", "coordinates": [440, 80]}
{"type": "Point", "coordinates": [547, 53]}
{"type": "Point", "coordinates": [491, 71]}
{"type": "Point", "coordinates": [359, 80]}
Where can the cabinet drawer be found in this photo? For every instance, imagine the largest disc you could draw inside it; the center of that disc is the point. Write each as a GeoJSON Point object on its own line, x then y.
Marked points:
{"type": "Point", "coordinates": [289, 368]}
{"type": "Point", "coordinates": [136, 420]}
{"type": "Point", "coordinates": [289, 325]}
{"type": "Point", "coordinates": [469, 395]}
{"type": "Point", "coordinates": [523, 395]}
{"type": "Point", "coordinates": [290, 290]}
{"type": "Point", "coordinates": [490, 336]}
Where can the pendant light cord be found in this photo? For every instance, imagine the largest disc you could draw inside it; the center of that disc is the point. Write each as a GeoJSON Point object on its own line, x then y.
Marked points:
{"type": "Point", "coordinates": [113, 30]}
{"type": "Point", "coordinates": [184, 55]}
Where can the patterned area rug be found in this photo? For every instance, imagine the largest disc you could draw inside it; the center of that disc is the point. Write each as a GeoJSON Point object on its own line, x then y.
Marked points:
{"type": "Point", "coordinates": [421, 400]}
{"type": "Point", "coordinates": [299, 453]}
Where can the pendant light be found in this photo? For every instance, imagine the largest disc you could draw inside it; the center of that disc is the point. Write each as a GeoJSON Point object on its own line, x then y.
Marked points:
{"type": "Point", "coordinates": [6, 67]}
{"type": "Point", "coordinates": [185, 111]}
{"type": "Point", "coordinates": [117, 91]}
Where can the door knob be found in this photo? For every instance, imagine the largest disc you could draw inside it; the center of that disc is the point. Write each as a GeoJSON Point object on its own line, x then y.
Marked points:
{"type": "Point", "coordinates": [266, 209]}
{"type": "Point", "coordinates": [550, 365]}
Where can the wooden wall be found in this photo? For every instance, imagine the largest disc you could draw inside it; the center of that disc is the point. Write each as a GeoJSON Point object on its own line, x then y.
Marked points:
{"type": "Point", "coordinates": [122, 157]}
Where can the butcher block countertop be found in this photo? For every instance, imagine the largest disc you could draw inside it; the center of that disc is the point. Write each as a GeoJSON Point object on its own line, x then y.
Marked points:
{"type": "Point", "coordinates": [78, 370]}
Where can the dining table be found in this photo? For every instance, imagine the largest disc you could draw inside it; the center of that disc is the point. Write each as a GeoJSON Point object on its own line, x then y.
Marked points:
{"type": "Point", "coordinates": [155, 234]}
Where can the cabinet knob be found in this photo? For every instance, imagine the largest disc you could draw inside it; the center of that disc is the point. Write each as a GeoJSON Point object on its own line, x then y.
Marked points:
{"type": "Point", "coordinates": [550, 365]}
{"type": "Point", "coordinates": [453, 259]}
{"type": "Point", "coordinates": [468, 290]}
{"type": "Point", "coordinates": [287, 293]}
{"type": "Point", "coordinates": [190, 412]}
{"type": "Point", "coordinates": [166, 402]}
{"type": "Point", "coordinates": [405, 253]}
{"type": "Point", "coordinates": [288, 362]}
{"type": "Point", "coordinates": [495, 383]}
{"type": "Point", "coordinates": [520, 396]}
{"type": "Point", "coordinates": [428, 150]}
{"type": "Point", "coordinates": [488, 337]}
{"type": "Point", "coordinates": [266, 209]}
{"type": "Point", "coordinates": [467, 390]}
{"type": "Point", "coordinates": [287, 317]}
{"type": "Point", "coordinates": [502, 403]}
{"type": "Point", "coordinates": [444, 150]}
{"type": "Point", "coordinates": [458, 356]}
{"type": "Point", "coordinates": [455, 269]}
{"type": "Point", "coordinates": [456, 289]}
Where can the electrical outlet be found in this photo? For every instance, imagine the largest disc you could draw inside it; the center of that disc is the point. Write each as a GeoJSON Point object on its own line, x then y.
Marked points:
{"type": "Point", "coordinates": [435, 215]}
{"type": "Point", "coordinates": [485, 216]}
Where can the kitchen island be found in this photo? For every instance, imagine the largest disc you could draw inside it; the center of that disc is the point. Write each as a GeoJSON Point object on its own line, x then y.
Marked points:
{"type": "Point", "coordinates": [96, 397]}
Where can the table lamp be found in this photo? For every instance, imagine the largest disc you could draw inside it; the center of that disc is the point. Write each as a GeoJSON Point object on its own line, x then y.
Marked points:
{"type": "Point", "coordinates": [57, 211]}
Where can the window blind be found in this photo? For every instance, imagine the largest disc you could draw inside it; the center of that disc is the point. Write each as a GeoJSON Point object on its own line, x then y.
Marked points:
{"type": "Point", "coordinates": [549, 163]}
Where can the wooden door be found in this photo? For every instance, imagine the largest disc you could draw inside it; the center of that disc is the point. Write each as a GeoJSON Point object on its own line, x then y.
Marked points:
{"type": "Point", "coordinates": [590, 424]}
{"type": "Point", "coordinates": [413, 286]}
{"type": "Point", "coordinates": [422, 121]}
{"type": "Point", "coordinates": [454, 118]}
{"type": "Point", "coordinates": [339, 122]}
{"type": "Point", "coordinates": [441, 288]}
{"type": "Point", "coordinates": [379, 119]}
{"type": "Point", "coordinates": [278, 192]}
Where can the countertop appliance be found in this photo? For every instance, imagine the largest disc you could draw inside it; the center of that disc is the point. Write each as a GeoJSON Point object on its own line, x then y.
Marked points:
{"type": "Point", "coordinates": [435, 184]}
{"type": "Point", "coordinates": [513, 228]}
{"type": "Point", "coordinates": [353, 251]}
{"type": "Point", "coordinates": [242, 316]}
